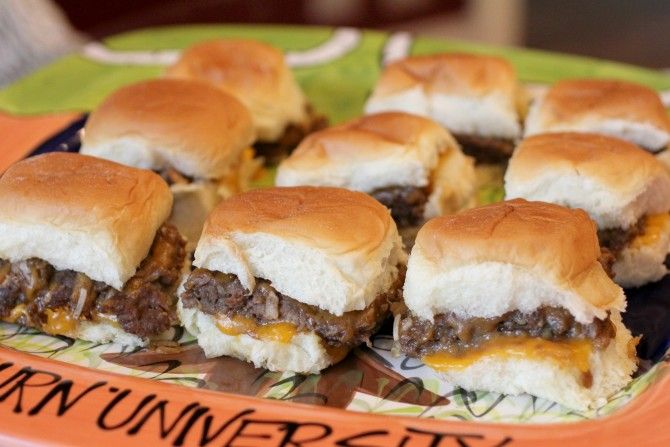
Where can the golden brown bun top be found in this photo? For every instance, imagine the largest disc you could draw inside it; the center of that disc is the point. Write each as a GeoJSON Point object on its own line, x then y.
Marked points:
{"type": "Point", "coordinates": [449, 73]}
{"type": "Point", "coordinates": [236, 64]}
{"type": "Point", "coordinates": [533, 235]}
{"type": "Point", "coordinates": [195, 125]}
{"type": "Point", "coordinates": [333, 219]}
{"type": "Point", "coordinates": [59, 186]}
{"type": "Point", "coordinates": [372, 133]}
{"type": "Point", "coordinates": [81, 213]}
{"type": "Point", "coordinates": [571, 99]}
{"type": "Point", "coordinates": [617, 163]}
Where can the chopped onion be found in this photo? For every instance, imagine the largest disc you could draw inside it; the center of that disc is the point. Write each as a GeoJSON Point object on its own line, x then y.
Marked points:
{"type": "Point", "coordinates": [81, 301]}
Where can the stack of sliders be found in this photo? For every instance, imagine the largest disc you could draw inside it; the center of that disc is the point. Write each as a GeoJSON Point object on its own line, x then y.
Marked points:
{"type": "Point", "coordinates": [625, 190]}
{"type": "Point", "coordinates": [257, 75]}
{"type": "Point", "coordinates": [407, 162]}
{"type": "Point", "coordinates": [511, 298]}
{"type": "Point", "coordinates": [291, 279]}
{"type": "Point", "coordinates": [621, 109]}
{"type": "Point", "coordinates": [195, 136]}
{"type": "Point", "coordinates": [476, 97]}
{"type": "Point", "coordinates": [86, 252]}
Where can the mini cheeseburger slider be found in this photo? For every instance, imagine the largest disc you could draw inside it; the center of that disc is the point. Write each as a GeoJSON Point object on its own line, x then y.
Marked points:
{"type": "Point", "coordinates": [256, 74]}
{"type": "Point", "coordinates": [291, 279]}
{"type": "Point", "coordinates": [512, 298]}
{"type": "Point", "coordinates": [195, 136]}
{"type": "Point", "coordinates": [621, 109]}
{"type": "Point", "coordinates": [409, 163]}
{"type": "Point", "coordinates": [85, 251]}
{"type": "Point", "coordinates": [624, 189]}
{"type": "Point", "coordinates": [477, 98]}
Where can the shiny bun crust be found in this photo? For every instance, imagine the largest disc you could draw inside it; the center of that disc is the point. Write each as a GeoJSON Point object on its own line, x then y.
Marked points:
{"type": "Point", "coordinates": [188, 125]}
{"type": "Point", "coordinates": [468, 94]}
{"type": "Point", "coordinates": [81, 213]}
{"type": "Point", "coordinates": [613, 180]}
{"type": "Point", "coordinates": [617, 108]}
{"type": "Point", "coordinates": [450, 73]}
{"type": "Point", "coordinates": [253, 72]}
{"type": "Point", "coordinates": [328, 247]}
{"type": "Point", "coordinates": [511, 255]}
{"type": "Point", "coordinates": [367, 153]}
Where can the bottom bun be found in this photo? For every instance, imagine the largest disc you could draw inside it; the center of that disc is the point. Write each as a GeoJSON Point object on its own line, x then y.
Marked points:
{"type": "Point", "coordinates": [611, 370]}
{"type": "Point", "coordinates": [637, 265]}
{"type": "Point", "coordinates": [304, 354]}
{"type": "Point", "coordinates": [108, 333]}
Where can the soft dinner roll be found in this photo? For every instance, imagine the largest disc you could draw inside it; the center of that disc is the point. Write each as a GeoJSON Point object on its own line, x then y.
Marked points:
{"type": "Point", "coordinates": [621, 109]}
{"type": "Point", "coordinates": [85, 251]}
{"type": "Point", "coordinates": [512, 298]}
{"type": "Point", "coordinates": [292, 278]}
{"type": "Point", "coordinates": [407, 162]}
{"type": "Point", "coordinates": [197, 137]}
{"type": "Point", "coordinates": [476, 97]}
{"type": "Point", "coordinates": [624, 189]}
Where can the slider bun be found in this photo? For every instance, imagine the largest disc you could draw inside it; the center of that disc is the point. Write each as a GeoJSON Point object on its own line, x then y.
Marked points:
{"type": "Point", "coordinates": [327, 247]}
{"type": "Point", "coordinates": [375, 151]}
{"type": "Point", "coordinates": [626, 110]}
{"type": "Point", "coordinates": [304, 354]}
{"type": "Point", "coordinates": [639, 264]}
{"type": "Point", "coordinates": [468, 94]}
{"type": "Point", "coordinates": [188, 125]}
{"type": "Point", "coordinates": [81, 213]}
{"type": "Point", "coordinates": [511, 255]}
{"type": "Point", "coordinates": [613, 180]}
{"type": "Point", "coordinates": [253, 72]}
{"type": "Point", "coordinates": [611, 370]}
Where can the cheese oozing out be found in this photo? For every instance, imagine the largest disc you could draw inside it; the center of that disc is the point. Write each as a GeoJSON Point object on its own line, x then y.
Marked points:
{"type": "Point", "coordinates": [568, 353]}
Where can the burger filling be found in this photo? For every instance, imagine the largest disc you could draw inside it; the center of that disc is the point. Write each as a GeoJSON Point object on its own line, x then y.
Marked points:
{"type": "Point", "coordinates": [33, 293]}
{"type": "Point", "coordinates": [486, 149]}
{"type": "Point", "coordinates": [275, 151]}
{"type": "Point", "coordinates": [645, 231]}
{"type": "Point", "coordinates": [266, 313]}
{"type": "Point", "coordinates": [407, 203]}
{"type": "Point", "coordinates": [451, 341]}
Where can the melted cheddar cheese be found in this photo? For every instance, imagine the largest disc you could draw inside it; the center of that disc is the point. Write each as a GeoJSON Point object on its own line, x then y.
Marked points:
{"type": "Point", "coordinates": [654, 227]}
{"type": "Point", "coordinates": [238, 325]}
{"type": "Point", "coordinates": [565, 353]}
{"type": "Point", "coordinates": [59, 322]}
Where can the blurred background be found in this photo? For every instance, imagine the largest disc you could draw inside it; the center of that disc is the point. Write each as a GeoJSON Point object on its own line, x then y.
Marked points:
{"type": "Point", "coordinates": [33, 32]}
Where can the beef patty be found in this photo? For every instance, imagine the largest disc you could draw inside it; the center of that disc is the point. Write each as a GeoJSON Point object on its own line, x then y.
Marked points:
{"type": "Point", "coordinates": [417, 337]}
{"type": "Point", "coordinates": [616, 239]}
{"type": "Point", "coordinates": [221, 294]}
{"type": "Point", "coordinates": [144, 307]}
{"type": "Point", "coordinates": [486, 149]}
{"type": "Point", "coordinates": [274, 151]}
{"type": "Point", "coordinates": [407, 203]}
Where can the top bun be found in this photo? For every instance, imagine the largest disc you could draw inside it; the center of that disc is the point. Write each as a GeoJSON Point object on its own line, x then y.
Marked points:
{"type": "Point", "coordinates": [617, 108]}
{"type": "Point", "coordinates": [371, 152]}
{"type": "Point", "coordinates": [466, 93]}
{"type": "Point", "coordinates": [328, 247]}
{"type": "Point", "coordinates": [507, 256]}
{"type": "Point", "coordinates": [615, 181]}
{"type": "Point", "coordinates": [81, 213]}
{"type": "Point", "coordinates": [188, 125]}
{"type": "Point", "coordinates": [253, 72]}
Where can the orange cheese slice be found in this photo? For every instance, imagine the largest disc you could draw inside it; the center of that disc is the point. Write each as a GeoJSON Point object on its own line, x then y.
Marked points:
{"type": "Point", "coordinates": [238, 325]}
{"type": "Point", "coordinates": [572, 353]}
